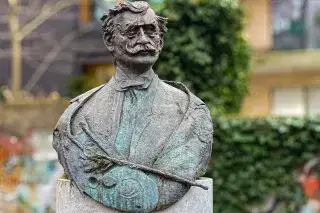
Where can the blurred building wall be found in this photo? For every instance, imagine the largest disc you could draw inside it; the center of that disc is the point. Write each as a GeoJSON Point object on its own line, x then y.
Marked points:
{"type": "Point", "coordinates": [285, 65]}
{"type": "Point", "coordinates": [263, 85]}
{"type": "Point", "coordinates": [258, 19]}
{"type": "Point", "coordinates": [84, 49]}
{"type": "Point", "coordinates": [20, 117]}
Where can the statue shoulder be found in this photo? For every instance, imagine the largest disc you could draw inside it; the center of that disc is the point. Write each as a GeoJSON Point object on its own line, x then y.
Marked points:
{"type": "Point", "coordinates": [86, 94]}
{"type": "Point", "coordinates": [202, 121]}
{"type": "Point", "coordinates": [178, 91]}
{"type": "Point", "coordinates": [197, 109]}
{"type": "Point", "coordinates": [175, 93]}
{"type": "Point", "coordinates": [74, 103]}
{"type": "Point", "coordinates": [181, 91]}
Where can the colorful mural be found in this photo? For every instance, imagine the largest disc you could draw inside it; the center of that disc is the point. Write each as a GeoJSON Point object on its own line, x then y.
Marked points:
{"type": "Point", "coordinates": [29, 170]}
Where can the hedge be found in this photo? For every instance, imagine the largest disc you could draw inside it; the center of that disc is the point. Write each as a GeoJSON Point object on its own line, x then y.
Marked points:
{"type": "Point", "coordinates": [204, 48]}
{"type": "Point", "coordinates": [253, 158]}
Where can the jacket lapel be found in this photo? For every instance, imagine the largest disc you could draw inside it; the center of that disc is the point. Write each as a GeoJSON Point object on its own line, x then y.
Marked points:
{"type": "Point", "coordinates": [101, 119]}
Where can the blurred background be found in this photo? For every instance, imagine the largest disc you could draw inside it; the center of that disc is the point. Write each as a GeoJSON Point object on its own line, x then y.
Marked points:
{"type": "Point", "coordinates": [256, 64]}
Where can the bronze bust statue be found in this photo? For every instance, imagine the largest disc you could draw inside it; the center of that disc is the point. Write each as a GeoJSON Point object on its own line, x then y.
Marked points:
{"type": "Point", "coordinates": [136, 143]}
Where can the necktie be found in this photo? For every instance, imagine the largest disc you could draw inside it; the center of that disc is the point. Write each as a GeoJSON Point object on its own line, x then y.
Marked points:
{"type": "Point", "coordinates": [126, 84]}
{"type": "Point", "coordinates": [129, 110]}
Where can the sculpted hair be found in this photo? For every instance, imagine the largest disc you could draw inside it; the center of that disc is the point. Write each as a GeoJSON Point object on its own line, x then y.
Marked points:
{"type": "Point", "coordinates": [108, 19]}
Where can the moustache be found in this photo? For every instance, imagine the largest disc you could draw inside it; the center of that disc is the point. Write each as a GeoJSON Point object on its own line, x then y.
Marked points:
{"type": "Point", "coordinates": [141, 48]}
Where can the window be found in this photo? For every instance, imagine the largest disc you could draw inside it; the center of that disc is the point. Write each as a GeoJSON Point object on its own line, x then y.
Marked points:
{"type": "Point", "coordinates": [314, 100]}
{"type": "Point", "coordinates": [92, 10]}
{"type": "Point", "coordinates": [295, 24]}
{"type": "Point", "coordinates": [288, 23]}
{"type": "Point", "coordinates": [24, 2]}
{"type": "Point", "coordinates": [288, 101]}
{"type": "Point", "coordinates": [101, 6]}
{"type": "Point", "coordinates": [296, 101]}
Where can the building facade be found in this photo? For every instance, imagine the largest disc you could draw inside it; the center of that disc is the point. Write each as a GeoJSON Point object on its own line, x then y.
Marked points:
{"type": "Point", "coordinates": [66, 44]}
{"type": "Point", "coordinates": [285, 72]}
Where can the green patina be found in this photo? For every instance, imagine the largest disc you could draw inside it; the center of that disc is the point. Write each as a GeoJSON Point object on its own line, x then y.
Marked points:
{"type": "Point", "coordinates": [132, 101]}
{"type": "Point", "coordinates": [125, 189]}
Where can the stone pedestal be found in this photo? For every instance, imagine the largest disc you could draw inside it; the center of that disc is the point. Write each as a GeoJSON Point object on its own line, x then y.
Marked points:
{"type": "Point", "coordinates": [70, 200]}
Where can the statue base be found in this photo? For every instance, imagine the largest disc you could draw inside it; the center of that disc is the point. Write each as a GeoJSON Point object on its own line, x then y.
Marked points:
{"type": "Point", "coordinates": [70, 200]}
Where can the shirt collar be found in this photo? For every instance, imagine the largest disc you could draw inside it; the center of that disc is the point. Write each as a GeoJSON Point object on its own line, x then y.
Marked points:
{"type": "Point", "coordinates": [142, 81]}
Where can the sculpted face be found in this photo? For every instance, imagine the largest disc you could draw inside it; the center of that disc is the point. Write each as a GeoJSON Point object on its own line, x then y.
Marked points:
{"type": "Point", "coordinates": [137, 41]}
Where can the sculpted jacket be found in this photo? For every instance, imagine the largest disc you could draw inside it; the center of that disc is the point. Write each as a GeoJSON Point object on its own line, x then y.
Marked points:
{"type": "Point", "coordinates": [172, 133]}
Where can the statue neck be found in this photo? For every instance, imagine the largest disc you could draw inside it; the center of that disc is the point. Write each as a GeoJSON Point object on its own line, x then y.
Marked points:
{"type": "Point", "coordinates": [133, 72]}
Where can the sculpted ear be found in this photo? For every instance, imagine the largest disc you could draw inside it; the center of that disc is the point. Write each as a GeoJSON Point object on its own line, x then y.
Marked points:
{"type": "Point", "coordinates": [161, 42]}
{"type": "Point", "coordinates": [108, 41]}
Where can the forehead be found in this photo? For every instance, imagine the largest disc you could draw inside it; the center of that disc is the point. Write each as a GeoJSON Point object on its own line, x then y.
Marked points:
{"type": "Point", "coordinates": [138, 19]}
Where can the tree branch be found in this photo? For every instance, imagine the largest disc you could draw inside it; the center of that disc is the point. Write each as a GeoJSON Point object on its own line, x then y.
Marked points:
{"type": "Point", "coordinates": [47, 11]}
{"type": "Point", "coordinates": [43, 67]}
{"type": "Point", "coordinates": [31, 61]}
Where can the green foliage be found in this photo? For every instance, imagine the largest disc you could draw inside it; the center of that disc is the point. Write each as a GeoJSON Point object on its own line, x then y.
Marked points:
{"type": "Point", "coordinates": [254, 158]}
{"type": "Point", "coordinates": [2, 88]}
{"type": "Point", "coordinates": [204, 49]}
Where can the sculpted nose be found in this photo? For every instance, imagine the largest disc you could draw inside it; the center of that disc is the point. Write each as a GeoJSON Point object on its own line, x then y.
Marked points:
{"type": "Point", "coordinates": [142, 38]}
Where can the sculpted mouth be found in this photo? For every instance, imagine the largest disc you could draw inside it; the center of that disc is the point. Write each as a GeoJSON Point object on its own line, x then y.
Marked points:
{"type": "Point", "coordinates": [141, 50]}
{"type": "Point", "coordinates": [145, 52]}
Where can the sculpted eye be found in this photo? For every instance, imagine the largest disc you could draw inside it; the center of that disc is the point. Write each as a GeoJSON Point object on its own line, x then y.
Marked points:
{"type": "Point", "coordinates": [152, 35]}
{"type": "Point", "coordinates": [151, 30]}
{"type": "Point", "coordinates": [131, 34]}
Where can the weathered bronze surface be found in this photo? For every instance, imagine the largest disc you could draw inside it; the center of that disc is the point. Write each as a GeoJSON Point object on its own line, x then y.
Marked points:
{"type": "Point", "coordinates": [137, 143]}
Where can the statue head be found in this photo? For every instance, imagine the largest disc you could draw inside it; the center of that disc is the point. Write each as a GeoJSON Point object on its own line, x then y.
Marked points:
{"type": "Point", "coordinates": [133, 33]}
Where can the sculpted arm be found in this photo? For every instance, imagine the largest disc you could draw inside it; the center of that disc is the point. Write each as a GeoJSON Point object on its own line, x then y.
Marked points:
{"type": "Point", "coordinates": [186, 155]}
